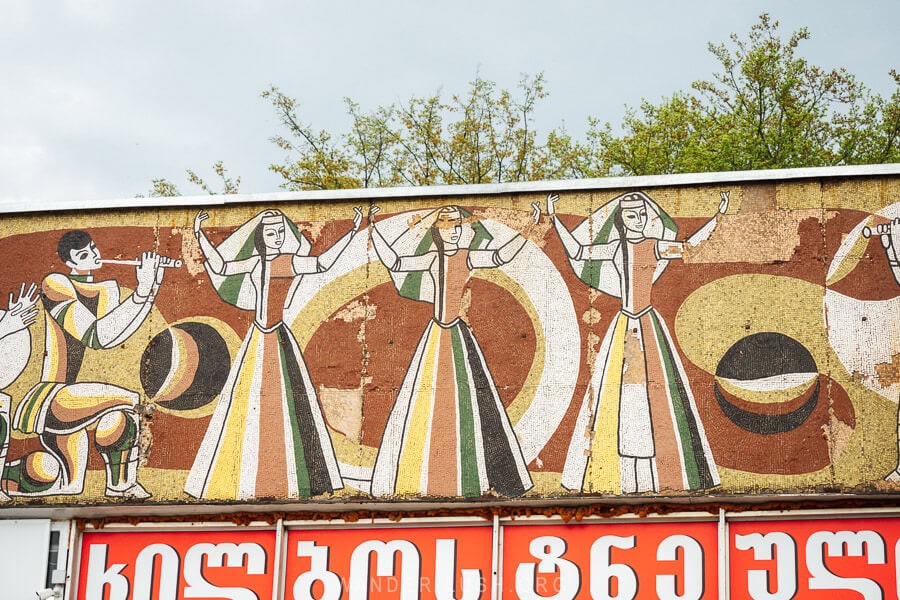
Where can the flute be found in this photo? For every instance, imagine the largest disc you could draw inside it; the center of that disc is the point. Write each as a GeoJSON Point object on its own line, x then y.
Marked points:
{"type": "Point", "coordinates": [164, 262]}
{"type": "Point", "coordinates": [868, 232]}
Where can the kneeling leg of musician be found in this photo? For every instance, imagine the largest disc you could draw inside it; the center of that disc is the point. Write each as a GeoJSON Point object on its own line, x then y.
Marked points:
{"type": "Point", "coordinates": [83, 314]}
{"type": "Point", "coordinates": [69, 412]}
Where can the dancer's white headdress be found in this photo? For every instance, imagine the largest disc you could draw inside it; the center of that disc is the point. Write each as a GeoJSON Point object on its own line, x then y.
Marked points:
{"type": "Point", "coordinates": [238, 290]}
{"type": "Point", "coordinates": [600, 228]}
{"type": "Point", "coordinates": [417, 238]}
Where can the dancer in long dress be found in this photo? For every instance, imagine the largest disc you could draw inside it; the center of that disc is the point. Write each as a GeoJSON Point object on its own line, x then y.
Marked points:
{"type": "Point", "coordinates": [267, 437]}
{"type": "Point", "coordinates": [638, 428]}
{"type": "Point", "coordinates": [448, 433]}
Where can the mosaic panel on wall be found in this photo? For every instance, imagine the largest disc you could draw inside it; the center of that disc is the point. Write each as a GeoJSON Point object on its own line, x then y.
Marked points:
{"type": "Point", "coordinates": [730, 340]}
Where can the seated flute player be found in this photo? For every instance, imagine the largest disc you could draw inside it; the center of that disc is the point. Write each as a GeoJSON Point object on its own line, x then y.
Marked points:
{"type": "Point", "coordinates": [83, 314]}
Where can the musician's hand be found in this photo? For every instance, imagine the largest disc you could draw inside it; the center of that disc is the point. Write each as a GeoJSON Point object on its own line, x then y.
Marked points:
{"type": "Point", "coordinates": [198, 221]}
{"type": "Point", "coordinates": [147, 273]}
{"type": "Point", "coordinates": [890, 238]}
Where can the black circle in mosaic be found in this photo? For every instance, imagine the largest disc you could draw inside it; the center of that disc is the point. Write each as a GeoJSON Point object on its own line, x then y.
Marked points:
{"type": "Point", "coordinates": [185, 366]}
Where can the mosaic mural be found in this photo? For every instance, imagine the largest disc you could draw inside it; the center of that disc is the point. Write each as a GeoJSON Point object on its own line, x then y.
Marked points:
{"type": "Point", "coordinates": [737, 339]}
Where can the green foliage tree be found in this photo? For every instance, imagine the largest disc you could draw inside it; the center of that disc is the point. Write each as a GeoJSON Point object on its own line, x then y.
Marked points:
{"type": "Point", "coordinates": [485, 135]}
{"type": "Point", "coordinates": [163, 188]}
{"type": "Point", "coordinates": [765, 108]}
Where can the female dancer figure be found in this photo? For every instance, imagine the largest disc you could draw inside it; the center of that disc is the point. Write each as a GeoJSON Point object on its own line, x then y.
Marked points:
{"type": "Point", "coordinates": [448, 433]}
{"type": "Point", "coordinates": [638, 428]}
{"type": "Point", "coordinates": [267, 437]}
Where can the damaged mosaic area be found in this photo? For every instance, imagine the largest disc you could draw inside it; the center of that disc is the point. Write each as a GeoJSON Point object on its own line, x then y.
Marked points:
{"type": "Point", "coordinates": [731, 340]}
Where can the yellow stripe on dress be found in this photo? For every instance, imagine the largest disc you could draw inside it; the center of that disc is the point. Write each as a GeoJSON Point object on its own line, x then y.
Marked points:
{"type": "Point", "coordinates": [409, 469]}
{"type": "Point", "coordinates": [602, 473]}
{"type": "Point", "coordinates": [224, 480]}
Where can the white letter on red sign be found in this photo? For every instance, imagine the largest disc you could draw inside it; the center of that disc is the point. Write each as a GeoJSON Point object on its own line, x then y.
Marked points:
{"type": "Point", "coordinates": [170, 569]}
{"type": "Point", "coordinates": [603, 570]}
{"type": "Point", "coordinates": [249, 555]}
{"type": "Point", "coordinates": [549, 549]}
{"type": "Point", "coordinates": [783, 548]}
{"type": "Point", "coordinates": [99, 576]}
{"type": "Point", "coordinates": [445, 574]}
{"type": "Point", "coordinates": [318, 571]}
{"type": "Point", "coordinates": [692, 559]}
{"type": "Point", "coordinates": [857, 544]}
{"type": "Point", "coordinates": [410, 565]}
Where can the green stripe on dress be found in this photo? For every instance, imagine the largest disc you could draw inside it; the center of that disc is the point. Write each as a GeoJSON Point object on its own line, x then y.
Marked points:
{"type": "Point", "coordinates": [590, 273]}
{"type": "Point", "coordinates": [470, 482]}
{"type": "Point", "coordinates": [412, 283]}
{"type": "Point", "coordinates": [303, 486]}
{"type": "Point", "coordinates": [230, 288]}
{"type": "Point", "coordinates": [684, 434]}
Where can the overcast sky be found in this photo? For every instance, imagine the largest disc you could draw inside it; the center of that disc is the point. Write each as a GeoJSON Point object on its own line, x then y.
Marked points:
{"type": "Point", "coordinates": [99, 97]}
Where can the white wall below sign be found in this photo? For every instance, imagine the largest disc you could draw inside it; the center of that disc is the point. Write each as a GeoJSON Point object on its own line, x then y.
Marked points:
{"type": "Point", "coordinates": [24, 545]}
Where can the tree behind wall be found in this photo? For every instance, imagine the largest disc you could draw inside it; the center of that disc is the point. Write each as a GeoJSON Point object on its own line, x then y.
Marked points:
{"type": "Point", "coordinates": [765, 108]}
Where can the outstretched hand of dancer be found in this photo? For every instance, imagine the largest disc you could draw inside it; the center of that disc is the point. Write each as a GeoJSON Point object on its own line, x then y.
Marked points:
{"type": "Point", "coordinates": [536, 212]}
{"type": "Point", "coordinates": [723, 203]}
{"type": "Point", "coordinates": [22, 311]}
{"type": "Point", "coordinates": [198, 221]}
{"type": "Point", "coordinates": [357, 217]}
{"type": "Point", "coordinates": [373, 210]}
{"type": "Point", "coordinates": [552, 199]}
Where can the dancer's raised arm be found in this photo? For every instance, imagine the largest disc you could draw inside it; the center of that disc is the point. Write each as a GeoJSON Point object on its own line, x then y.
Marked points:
{"type": "Point", "coordinates": [216, 263]}
{"type": "Point", "coordinates": [319, 264]}
{"type": "Point", "coordinates": [702, 234]}
{"type": "Point", "coordinates": [673, 250]}
{"type": "Point", "coordinates": [481, 259]}
{"type": "Point", "coordinates": [21, 312]}
{"type": "Point", "coordinates": [389, 258]}
{"type": "Point", "coordinates": [575, 250]}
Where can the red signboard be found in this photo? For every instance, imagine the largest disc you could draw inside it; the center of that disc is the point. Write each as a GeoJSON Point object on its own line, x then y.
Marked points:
{"type": "Point", "coordinates": [667, 561]}
{"type": "Point", "coordinates": [165, 565]}
{"type": "Point", "coordinates": [784, 559]}
{"type": "Point", "coordinates": [441, 563]}
{"type": "Point", "coordinates": [833, 559]}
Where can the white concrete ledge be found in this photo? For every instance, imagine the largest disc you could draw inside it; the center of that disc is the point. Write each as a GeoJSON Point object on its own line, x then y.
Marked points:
{"type": "Point", "coordinates": [557, 185]}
